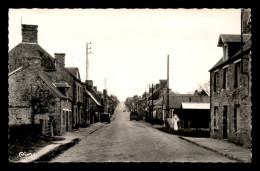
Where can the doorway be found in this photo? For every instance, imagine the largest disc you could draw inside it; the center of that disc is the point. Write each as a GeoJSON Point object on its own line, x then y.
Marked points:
{"type": "Point", "coordinates": [225, 122]}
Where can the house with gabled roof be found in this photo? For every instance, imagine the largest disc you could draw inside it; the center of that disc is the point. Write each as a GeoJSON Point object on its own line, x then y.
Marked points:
{"type": "Point", "coordinates": [192, 109]}
{"type": "Point", "coordinates": [93, 102]}
{"type": "Point", "coordinates": [230, 87]}
{"type": "Point", "coordinates": [156, 94]}
{"type": "Point", "coordinates": [54, 67]}
{"type": "Point", "coordinates": [36, 102]}
{"type": "Point", "coordinates": [78, 113]}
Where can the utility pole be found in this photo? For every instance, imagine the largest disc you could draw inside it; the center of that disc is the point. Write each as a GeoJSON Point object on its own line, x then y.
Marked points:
{"type": "Point", "coordinates": [87, 61]}
{"type": "Point", "coordinates": [168, 91]}
{"type": "Point", "coordinates": [105, 84]}
{"type": "Point", "coordinates": [152, 107]}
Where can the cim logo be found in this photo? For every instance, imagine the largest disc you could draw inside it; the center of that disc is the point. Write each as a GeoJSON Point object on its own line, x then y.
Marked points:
{"type": "Point", "coordinates": [24, 154]}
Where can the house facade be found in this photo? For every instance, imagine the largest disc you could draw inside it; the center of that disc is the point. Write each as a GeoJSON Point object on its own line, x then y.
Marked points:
{"type": "Point", "coordinates": [93, 102]}
{"type": "Point", "coordinates": [35, 101]}
{"type": "Point", "coordinates": [230, 87]}
{"type": "Point", "coordinates": [53, 71]}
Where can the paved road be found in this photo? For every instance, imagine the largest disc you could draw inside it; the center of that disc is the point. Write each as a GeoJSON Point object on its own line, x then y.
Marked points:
{"type": "Point", "coordinates": [131, 141]}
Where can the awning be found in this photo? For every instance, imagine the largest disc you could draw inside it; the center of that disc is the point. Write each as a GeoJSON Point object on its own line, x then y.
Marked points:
{"type": "Point", "coordinates": [93, 98]}
{"type": "Point", "coordinates": [195, 105]}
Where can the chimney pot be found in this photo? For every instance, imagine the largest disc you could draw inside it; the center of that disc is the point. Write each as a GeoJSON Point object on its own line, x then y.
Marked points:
{"type": "Point", "coordinates": [163, 83]}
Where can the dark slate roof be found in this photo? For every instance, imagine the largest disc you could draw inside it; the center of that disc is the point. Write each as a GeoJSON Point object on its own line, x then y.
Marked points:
{"type": "Point", "coordinates": [95, 94]}
{"type": "Point", "coordinates": [73, 71]}
{"type": "Point", "coordinates": [93, 97]}
{"type": "Point", "coordinates": [155, 94]}
{"type": "Point", "coordinates": [176, 100]}
{"type": "Point", "coordinates": [159, 102]}
{"type": "Point", "coordinates": [50, 84]}
{"type": "Point", "coordinates": [246, 46]}
{"type": "Point", "coordinates": [226, 38]}
{"type": "Point", "coordinates": [33, 49]}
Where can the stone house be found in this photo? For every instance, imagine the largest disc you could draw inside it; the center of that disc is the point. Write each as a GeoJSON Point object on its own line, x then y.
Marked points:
{"type": "Point", "coordinates": [77, 100]}
{"type": "Point", "coordinates": [156, 94]}
{"type": "Point", "coordinates": [35, 100]}
{"type": "Point", "coordinates": [53, 67]}
{"type": "Point", "coordinates": [93, 102]}
{"type": "Point", "coordinates": [230, 87]}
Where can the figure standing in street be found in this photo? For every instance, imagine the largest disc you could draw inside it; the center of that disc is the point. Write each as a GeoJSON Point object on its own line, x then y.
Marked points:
{"type": "Point", "coordinates": [175, 120]}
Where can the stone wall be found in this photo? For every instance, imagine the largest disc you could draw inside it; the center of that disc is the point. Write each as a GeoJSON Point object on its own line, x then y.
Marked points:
{"type": "Point", "coordinates": [19, 116]}
{"type": "Point", "coordinates": [230, 97]}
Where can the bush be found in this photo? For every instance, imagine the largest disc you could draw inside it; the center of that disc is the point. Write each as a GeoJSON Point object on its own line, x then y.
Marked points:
{"type": "Point", "coordinates": [24, 133]}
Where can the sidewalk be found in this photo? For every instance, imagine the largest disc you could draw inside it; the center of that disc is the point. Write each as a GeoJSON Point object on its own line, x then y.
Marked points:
{"type": "Point", "coordinates": [222, 147]}
{"type": "Point", "coordinates": [69, 140]}
{"type": "Point", "coordinates": [225, 148]}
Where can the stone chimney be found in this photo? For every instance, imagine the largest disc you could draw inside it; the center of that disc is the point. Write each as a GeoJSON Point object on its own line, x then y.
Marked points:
{"type": "Point", "coordinates": [29, 33]}
{"type": "Point", "coordinates": [105, 93]}
{"type": "Point", "coordinates": [60, 57]}
{"type": "Point", "coordinates": [163, 83]}
{"type": "Point", "coordinates": [246, 17]}
{"type": "Point", "coordinates": [89, 83]}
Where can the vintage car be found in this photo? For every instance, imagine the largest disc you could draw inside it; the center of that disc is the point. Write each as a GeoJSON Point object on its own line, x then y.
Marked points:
{"type": "Point", "coordinates": [134, 116]}
{"type": "Point", "coordinates": [105, 117]}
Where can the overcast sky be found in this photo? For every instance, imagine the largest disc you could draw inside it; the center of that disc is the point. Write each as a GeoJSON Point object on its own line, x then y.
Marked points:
{"type": "Point", "coordinates": [130, 46]}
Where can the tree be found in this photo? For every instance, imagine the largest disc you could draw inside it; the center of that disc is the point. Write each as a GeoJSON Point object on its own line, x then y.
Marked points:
{"type": "Point", "coordinates": [204, 86]}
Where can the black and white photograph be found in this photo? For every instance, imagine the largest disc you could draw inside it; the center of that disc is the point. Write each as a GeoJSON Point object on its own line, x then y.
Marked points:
{"type": "Point", "coordinates": [129, 85]}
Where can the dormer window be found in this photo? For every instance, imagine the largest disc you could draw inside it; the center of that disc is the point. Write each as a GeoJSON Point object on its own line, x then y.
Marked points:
{"type": "Point", "coordinates": [225, 52]}
{"type": "Point", "coordinates": [63, 88]}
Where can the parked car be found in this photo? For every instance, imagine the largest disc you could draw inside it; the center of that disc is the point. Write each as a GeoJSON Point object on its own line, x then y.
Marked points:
{"type": "Point", "coordinates": [105, 117]}
{"type": "Point", "coordinates": [134, 116]}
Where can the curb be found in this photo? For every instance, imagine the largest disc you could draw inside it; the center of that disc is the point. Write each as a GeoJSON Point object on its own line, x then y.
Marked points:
{"type": "Point", "coordinates": [56, 151]}
{"type": "Point", "coordinates": [224, 154]}
{"type": "Point", "coordinates": [61, 148]}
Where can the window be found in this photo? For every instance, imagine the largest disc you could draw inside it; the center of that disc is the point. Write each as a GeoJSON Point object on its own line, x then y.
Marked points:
{"type": "Point", "coordinates": [215, 81]}
{"type": "Point", "coordinates": [224, 78]}
{"type": "Point", "coordinates": [237, 71]}
{"type": "Point", "coordinates": [215, 118]}
{"type": "Point", "coordinates": [236, 114]}
{"type": "Point", "coordinates": [225, 52]}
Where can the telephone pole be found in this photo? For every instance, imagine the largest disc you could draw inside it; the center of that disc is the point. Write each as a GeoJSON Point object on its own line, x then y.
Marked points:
{"type": "Point", "coordinates": [168, 91]}
{"type": "Point", "coordinates": [87, 61]}
{"type": "Point", "coordinates": [105, 84]}
{"type": "Point", "coordinates": [152, 106]}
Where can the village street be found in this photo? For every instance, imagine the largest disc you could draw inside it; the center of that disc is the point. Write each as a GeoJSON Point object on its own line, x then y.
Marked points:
{"type": "Point", "coordinates": [123, 140]}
